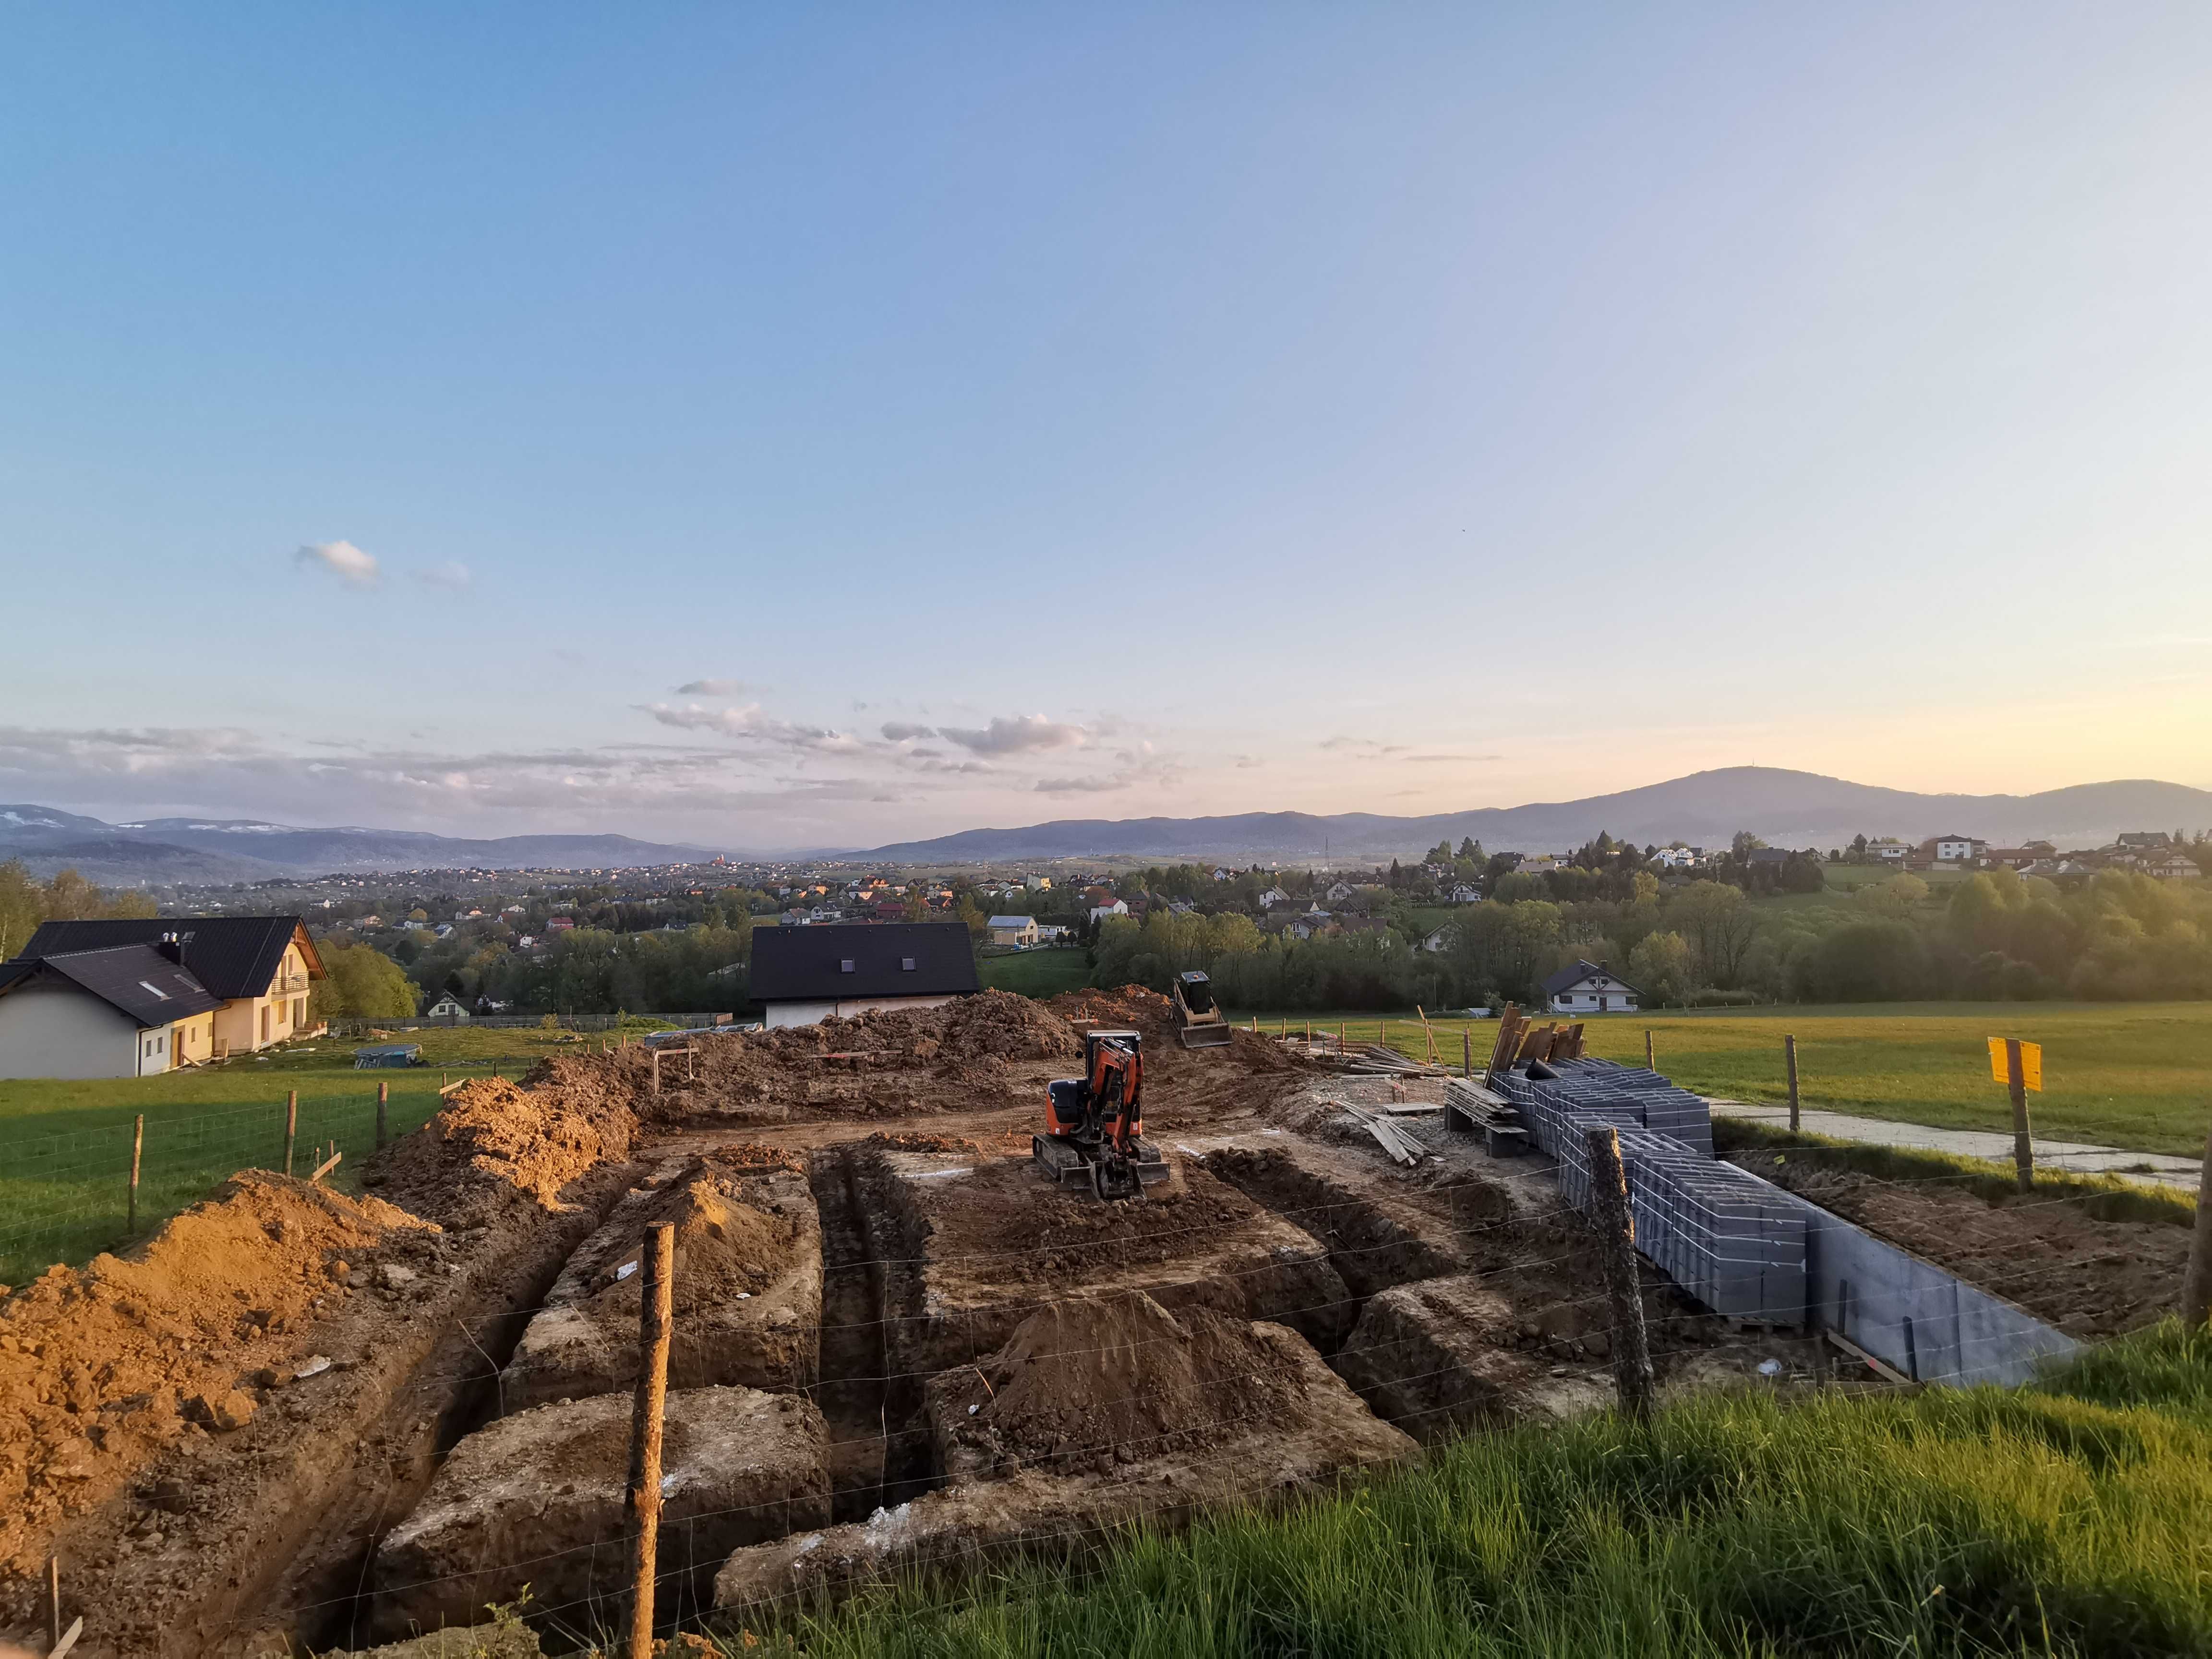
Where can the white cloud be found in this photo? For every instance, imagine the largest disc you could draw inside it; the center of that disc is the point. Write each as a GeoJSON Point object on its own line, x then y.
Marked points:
{"type": "Point", "coordinates": [750, 721]}
{"type": "Point", "coordinates": [902, 731]}
{"type": "Point", "coordinates": [715, 688]}
{"type": "Point", "coordinates": [453, 576]}
{"type": "Point", "coordinates": [1080, 786]}
{"type": "Point", "coordinates": [340, 559]}
{"type": "Point", "coordinates": [1024, 734]}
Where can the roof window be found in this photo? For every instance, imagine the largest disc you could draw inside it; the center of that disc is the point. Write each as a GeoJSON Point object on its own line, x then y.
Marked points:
{"type": "Point", "coordinates": [149, 985]}
{"type": "Point", "coordinates": [845, 966]}
{"type": "Point", "coordinates": [906, 964]}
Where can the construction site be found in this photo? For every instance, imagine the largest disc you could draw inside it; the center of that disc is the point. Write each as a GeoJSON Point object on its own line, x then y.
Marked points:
{"type": "Point", "coordinates": [947, 1286]}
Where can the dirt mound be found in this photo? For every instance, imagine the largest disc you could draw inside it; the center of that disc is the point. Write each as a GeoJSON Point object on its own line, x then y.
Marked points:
{"type": "Point", "coordinates": [1118, 1378]}
{"type": "Point", "coordinates": [920, 1143]}
{"type": "Point", "coordinates": [1003, 1026]}
{"type": "Point", "coordinates": [101, 1367]}
{"type": "Point", "coordinates": [494, 1140]}
{"type": "Point", "coordinates": [1130, 1008]}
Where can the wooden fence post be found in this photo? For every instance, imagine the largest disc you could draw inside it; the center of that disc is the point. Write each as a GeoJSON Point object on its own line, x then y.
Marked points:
{"type": "Point", "coordinates": [1650, 1061]}
{"type": "Point", "coordinates": [137, 1151]}
{"type": "Point", "coordinates": [53, 1602]}
{"type": "Point", "coordinates": [2196, 1283]}
{"type": "Point", "coordinates": [1790, 1053]}
{"type": "Point", "coordinates": [1632, 1353]}
{"type": "Point", "coordinates": [291, 1125]}
{"type": "Point", "coordinates": [1466, 1054]}
{"type": "Point", "coordinates": [656, 1316]}
{"type": "Point", "coordinates": [2023, 1147]}
{"type": "Point", "coordinates": [383, 1106]}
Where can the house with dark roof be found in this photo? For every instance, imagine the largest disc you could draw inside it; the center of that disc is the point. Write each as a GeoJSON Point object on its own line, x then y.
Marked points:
{"type": "Point", "coordinates": [1590, 987]}
{"type": "Point", "coordinates": [802, 975]}
{"type": "Point", "coordinates": [257, 969]}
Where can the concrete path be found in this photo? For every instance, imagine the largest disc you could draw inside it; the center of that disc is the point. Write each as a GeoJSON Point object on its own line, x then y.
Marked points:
{"type": "Point", "coordinates": [2078, 1156]}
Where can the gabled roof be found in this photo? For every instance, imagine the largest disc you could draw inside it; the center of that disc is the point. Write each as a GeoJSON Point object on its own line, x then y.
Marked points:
{"type": "Point", "coordinates": [232, 955]}
{"type": "Point", "coordinates": [1011, 921]}
{"type": "Point", "coordinates": [137, 980]}
{"type": "Point", "coordinates": [806, 964]}
{"type": "Point", "coordinates": [1575, 973]}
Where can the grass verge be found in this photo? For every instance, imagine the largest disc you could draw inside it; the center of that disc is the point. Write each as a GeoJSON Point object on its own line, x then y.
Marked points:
{"type": "Point", "coordinates": [2064, 1519]}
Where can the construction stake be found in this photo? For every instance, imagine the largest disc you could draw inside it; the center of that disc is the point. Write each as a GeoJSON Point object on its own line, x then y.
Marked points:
{"type": "Point", "coordinates": [383, 1104]}
{"type": "Point", "coordinates": [291, 1125]}
{"type": "Point", "coordinates": [1466, 1054]}
{"type": "Point", "coordinates": [2196, 1283]}
{"type": "Point", "coordinates": [1790, 1053]}
{"type": "Point", "coordinates": [53, 1602]}
{"type": "Point", "coordinates": [656, 1316]}
{"type": "Point", "coordinates": [1649, 1062]}
{"type": "Point", "coordinates": [2023, 1147]}
{"type": "Point", "coordinates": [1632, 1353]}
{"type": "Point", "coordinates": [137, 1150]}
{"type": "Point", "coordinates": [656, 1071]}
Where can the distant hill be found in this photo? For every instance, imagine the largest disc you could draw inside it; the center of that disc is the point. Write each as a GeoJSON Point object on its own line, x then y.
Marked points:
{"type": "Point", "coordinates": [211, 850]}
{"type": "Point", "coordinates": [1785, 808]}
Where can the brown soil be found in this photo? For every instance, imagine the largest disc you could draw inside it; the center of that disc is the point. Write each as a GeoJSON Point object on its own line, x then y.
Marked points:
{"type": "Point", "coordinates": [496, 1142]}
{"type": "Point", "coordinates": [1191, 1088]}
{"type": "Point", "coordinates": [101, 1367]}
{"type": "Point", "coordinates": [2091, 1278]}
{"type": "Point", "coordinates": [747, 1296]}
{"type": "Point", "coordinates": [1094, 1381]}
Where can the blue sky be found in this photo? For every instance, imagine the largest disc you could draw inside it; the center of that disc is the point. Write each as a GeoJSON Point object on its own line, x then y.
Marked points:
{"type": "Point", "coordinates": [774, 426]}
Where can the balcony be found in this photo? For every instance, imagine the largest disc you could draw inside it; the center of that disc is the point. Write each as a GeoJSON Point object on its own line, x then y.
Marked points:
{"type": "Point", "coordinates": [288, 984]}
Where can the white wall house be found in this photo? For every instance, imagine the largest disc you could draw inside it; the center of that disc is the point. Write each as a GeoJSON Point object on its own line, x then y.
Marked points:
{"type": "Point", "coordinates": [1957, 849]}
{"type": "Point", "coordinates": [1118, 908]}
{"type": "Point", "coordinates": [1589, 987]}
{"type": "Point", "coordinates": [448, 1008]}
{"type": "Point", "coordinates": [128, 1011]}
{"type": "Point", "coordinates": [1014, 930]}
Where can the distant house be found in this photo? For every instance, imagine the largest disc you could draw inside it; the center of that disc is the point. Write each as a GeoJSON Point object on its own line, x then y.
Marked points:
{"type": "Point", "coordinates": [1542, 865]}
{"type": "Point", "coordinates": [1768, 856]}
{"type": "Point", "coordinates": [1678, 858]}
{"type": "Point", "coordinates": [559, 924]}
{"type": "Point", "coordinates": [1441, 940]}
{"type": "Point", "coordinates": [1589, 987]}
{"type": "Point", "coordinates": [1100, 912]}
{"type": "Point", "coordinates": [1050, 932]}
{"type": "Point", "coordinates": [1337, 892]}
{"type": "Point", "coordinates": [2176, 867]}
{"type": "Point", "coordinates": [1014, 930]}
{"type": "Point", "coordinates": [1273, 896]}
{"type": "Point", "coordinates": [447, 1010]}
{"type": "Point", "coordinates": [803, 976]}
{"type": "Point", "coordinates": [2144, 841]}
{"type": "Point", "coordinates": [1220, 874]}
{"type": "Point", "coordinates": [1463, 894]}
{"type": "Point", "coordinates": [1954, 849]}
{"type": "Point", "coordinates": [134, 997]}
{"type": "Point", "coordinates": [1887, 849]}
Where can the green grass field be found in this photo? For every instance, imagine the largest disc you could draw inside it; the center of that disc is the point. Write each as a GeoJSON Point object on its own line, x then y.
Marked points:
{"type": "Point", "coordinates": [1039, 974]}
{"type": "Point", "coordinates": [2132, 1074]}
{"type": "Point", "coordinates": [2061, 1520]}
{"type": "Point", "coordinates": [65, 1146]}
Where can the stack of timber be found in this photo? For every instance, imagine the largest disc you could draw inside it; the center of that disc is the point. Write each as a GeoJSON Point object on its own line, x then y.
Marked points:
{"type": "Point", "coordinates": [1376, 1060]}
{"type": "Point", "coordinates": [1390, 1135]}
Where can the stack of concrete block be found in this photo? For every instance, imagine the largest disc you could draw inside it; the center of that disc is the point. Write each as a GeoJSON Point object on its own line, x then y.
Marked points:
{"type": "Point", "coordinates": [1729, 1239]}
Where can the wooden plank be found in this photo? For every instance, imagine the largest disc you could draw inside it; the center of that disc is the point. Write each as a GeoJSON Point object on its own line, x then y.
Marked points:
{"type": "Point", "coordinates": [69, 1638]}
{"type": "Point", "coordinates": [325, 1167]}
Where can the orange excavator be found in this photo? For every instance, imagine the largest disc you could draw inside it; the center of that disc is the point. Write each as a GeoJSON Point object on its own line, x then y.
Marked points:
{"type": "Point", "coordinates": [1094, 1128]}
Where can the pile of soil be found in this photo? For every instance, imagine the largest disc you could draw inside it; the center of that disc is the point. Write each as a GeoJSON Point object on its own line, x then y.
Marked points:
{"type": "Point", "coordinates": [1093, 1381]}
{"type": "Point", "coordinates": [495, 1139]}
{"type": "Point", "coordinates": [1191, 1088]}
{"type": "Point", "coordinates": [103, 1367]}
{"type": "Point", "coordinates": [1051, 1234]}
{"type": "Point", "coordinates": [2091, 1278]}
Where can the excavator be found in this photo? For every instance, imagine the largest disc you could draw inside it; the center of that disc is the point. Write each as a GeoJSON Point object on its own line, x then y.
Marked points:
{"type": "Point", "coordinates": [1199, 1021]}
{"type": "Point", "coordinates": [1094, 1124]}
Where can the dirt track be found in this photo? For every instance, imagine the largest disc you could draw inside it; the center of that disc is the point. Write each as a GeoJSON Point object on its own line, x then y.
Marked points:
{"type": "Point", "coordinates": [222, 1435]}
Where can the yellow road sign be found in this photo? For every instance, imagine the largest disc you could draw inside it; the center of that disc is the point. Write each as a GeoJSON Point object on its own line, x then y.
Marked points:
{"type": "Point", "coordinates": [2031, 1064]}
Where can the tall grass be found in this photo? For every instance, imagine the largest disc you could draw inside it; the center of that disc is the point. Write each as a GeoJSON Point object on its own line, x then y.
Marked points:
{"type": "Point", "coordinates": [2071, 1518]}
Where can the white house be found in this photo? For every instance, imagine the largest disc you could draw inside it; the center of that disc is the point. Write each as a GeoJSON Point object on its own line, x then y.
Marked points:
{"type": "Point", "coordinates": [1440, 941]}
{"type": "Point", "coordinates": [1118, 908]}
{"type": "Point", "coordinates": [1957, 849]}
{"type": "Point", "coordinates": [1014, 930]}
{"type": "Point", "coordinates": [1887, 849]}
{"type": "Point", "coordinates": [2176, 867]}
{"type": "Point", "coordinates": [1337, 892]}
{"type": "Point", "coordinates": [1588, 987]}
{"type": "Point", "coordinates": [1273, 896]}
{"type": "Point", "coordinates": [448, 1008]}
{"type": "Point", "coordinates": [803, 976]}
{"type": "Point", "coordinates": [1678, 858]}
{"type": "Point", "coordinates": [1463, 894]}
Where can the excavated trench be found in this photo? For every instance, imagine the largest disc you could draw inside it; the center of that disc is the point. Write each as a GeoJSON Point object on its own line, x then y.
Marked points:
{"type": "Point", "coordinates": [852, 1390]}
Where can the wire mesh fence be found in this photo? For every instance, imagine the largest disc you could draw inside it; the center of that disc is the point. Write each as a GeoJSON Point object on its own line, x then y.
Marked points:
{"type": "Point", "coordinates": [66, 1196]}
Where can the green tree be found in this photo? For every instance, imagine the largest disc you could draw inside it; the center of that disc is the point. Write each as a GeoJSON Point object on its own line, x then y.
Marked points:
{"type": "Point", "coordinates": [1660, 967]}
{"type": "Point", "coordinates": [363, 983]}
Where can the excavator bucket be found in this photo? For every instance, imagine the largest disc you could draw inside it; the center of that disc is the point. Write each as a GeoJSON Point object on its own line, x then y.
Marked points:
{"type": "Point", "coordinates": [1199, 1022]}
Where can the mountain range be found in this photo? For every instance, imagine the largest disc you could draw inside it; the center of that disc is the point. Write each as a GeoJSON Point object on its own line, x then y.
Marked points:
{"type": "Point", "coordinates": [211, 851]}
{"type": "Point", "coordinates": [1783, 808]}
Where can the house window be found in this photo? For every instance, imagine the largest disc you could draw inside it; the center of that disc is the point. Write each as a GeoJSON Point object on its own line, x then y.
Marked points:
{"type": "Point", "coordinates": [845, 966]}
{"type": "Point", "coordinates": [906, 964]}
{"type": "Point", "coordinates": [264, 1022]}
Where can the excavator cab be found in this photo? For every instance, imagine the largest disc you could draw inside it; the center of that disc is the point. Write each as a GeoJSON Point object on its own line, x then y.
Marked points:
{"type": "Point", "coordinates": [1199, 1022]}
{"type": "Point", "coordinates": [1094, 1124]}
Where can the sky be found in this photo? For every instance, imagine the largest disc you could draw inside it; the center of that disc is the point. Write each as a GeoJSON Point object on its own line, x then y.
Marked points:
{"type": "Point", "coordinates": [776, 426]}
